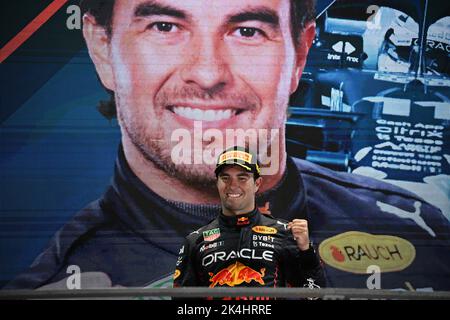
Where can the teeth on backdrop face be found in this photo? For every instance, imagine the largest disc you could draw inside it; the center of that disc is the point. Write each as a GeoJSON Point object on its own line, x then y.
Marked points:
{"type": "Point", "coordinates": [204, 115]}
{"type": "Point", "coordinates": [233, 195]}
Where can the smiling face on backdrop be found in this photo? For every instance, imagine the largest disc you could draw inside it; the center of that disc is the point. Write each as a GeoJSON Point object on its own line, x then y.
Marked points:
{"type": "Point", "coordinates": [229, 64]}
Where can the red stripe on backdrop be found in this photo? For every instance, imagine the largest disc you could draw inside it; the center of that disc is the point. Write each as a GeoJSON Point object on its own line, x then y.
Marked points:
{"type": "Point", "coordinates": [30, 29]}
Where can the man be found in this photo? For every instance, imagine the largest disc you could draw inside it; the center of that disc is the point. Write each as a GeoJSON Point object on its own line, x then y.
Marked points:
{"type": "Point", "coordinates": [228, 65]}
{"type": "Point", "coordinates": [243, 247]}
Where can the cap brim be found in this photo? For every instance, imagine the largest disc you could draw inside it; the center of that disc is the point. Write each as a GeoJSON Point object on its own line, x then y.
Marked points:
{"type": "Point", "coordinates": [221, 166]}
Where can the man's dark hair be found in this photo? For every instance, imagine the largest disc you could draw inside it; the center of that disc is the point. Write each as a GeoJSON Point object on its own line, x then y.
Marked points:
{"type": "Point", "coordinates": [302, 11]}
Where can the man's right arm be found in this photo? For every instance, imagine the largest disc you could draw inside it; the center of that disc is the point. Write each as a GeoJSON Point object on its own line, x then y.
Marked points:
{"type": "Point", "coordinates": [303, 268]}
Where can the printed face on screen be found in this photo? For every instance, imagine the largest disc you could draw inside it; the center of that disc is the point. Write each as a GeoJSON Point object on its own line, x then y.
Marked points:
{"type": "Point", "coordinates": [223, 64]}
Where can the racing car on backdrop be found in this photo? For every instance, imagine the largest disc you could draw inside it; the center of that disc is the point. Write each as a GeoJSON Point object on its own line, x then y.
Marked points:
{"type": "Point", "coordinates": [374, 98]}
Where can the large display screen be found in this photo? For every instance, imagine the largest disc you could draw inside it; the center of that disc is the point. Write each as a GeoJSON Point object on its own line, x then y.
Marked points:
{"type": "Point", "coordinates": [113, 114]}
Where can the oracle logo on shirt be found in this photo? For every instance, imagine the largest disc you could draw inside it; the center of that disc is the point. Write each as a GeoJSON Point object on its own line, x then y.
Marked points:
{"type": "Point", "coordinates": [246, 253]}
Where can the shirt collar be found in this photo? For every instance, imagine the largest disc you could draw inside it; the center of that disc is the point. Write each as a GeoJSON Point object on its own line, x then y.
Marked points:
{"type": "Point", "coordinates": [240, 221]}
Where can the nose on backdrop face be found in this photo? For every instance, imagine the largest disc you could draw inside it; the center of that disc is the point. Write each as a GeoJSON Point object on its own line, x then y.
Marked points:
{"type": "Point", "coordinates": [207, 64]}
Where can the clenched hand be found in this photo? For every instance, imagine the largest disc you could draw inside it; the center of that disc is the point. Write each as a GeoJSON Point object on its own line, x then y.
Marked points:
{"type": "Point", "coordinates": [299, 229]}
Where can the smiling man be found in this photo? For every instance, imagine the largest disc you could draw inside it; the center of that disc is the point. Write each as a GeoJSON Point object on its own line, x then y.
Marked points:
{"type": "Point", "coordinates": [170, 65]}
{"type": "Point", "coordinates": [243, 247]}
{"type": "Point", "coordinates": [238, 181]}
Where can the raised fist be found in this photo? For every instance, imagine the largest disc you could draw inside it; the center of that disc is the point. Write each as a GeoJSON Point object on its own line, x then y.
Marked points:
{"type": "Point", "coordinates": [299, 229]}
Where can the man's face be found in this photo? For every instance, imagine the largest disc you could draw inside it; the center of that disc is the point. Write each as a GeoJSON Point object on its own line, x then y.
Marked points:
{"type": "Point", "coordinates": [229, 64]}
{"type": "Point", "coordinates": [237, 189]}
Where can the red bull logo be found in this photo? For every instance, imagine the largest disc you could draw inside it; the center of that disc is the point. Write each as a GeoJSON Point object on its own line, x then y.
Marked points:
{"type": "Point", "coordinates": [242, 221]}
{"type": "Point", "coordinates": [236, 274]}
